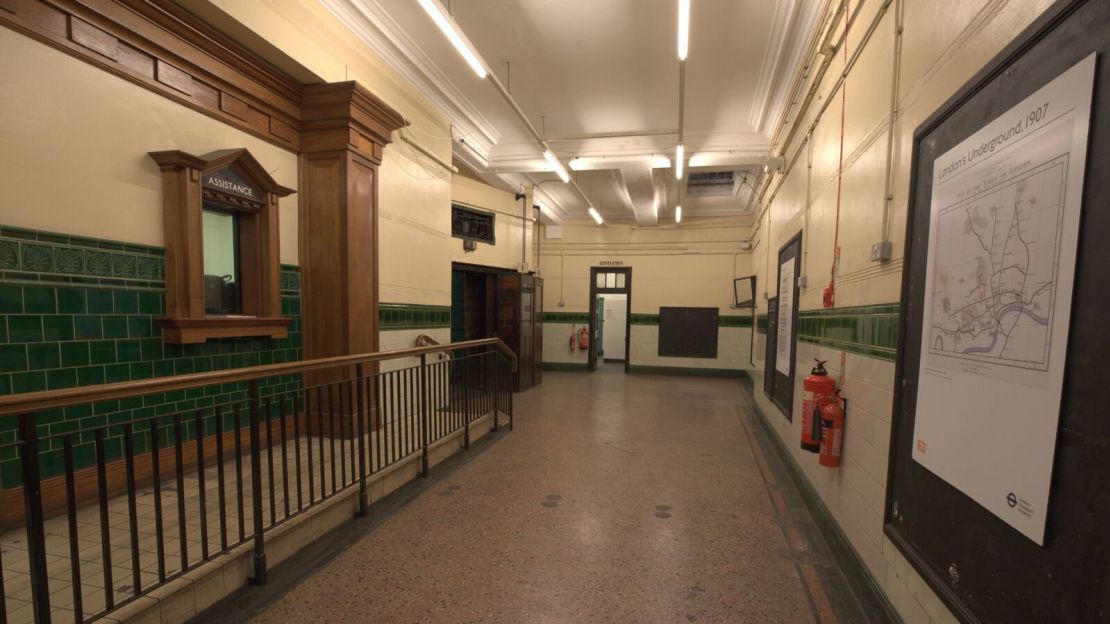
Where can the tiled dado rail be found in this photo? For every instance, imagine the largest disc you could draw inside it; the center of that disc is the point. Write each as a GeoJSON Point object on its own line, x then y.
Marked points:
{"type": "Point", "coordinates": [78, 311]}
{"type": "Point", "coordinates": [640, 319]}
{"type": "Point", "coordinates": [865, 330]}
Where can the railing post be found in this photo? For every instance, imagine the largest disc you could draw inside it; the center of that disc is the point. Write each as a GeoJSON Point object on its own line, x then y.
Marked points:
{"type": "Point", "coordinates": [424, 414]}
{"type": "Point", "coordinates": [490, 383]}
{"type": "Point", "coordinates": [259, 577]}
{"type": "Point", "coordinates": [509, 390]}
{"type": "Point", "coordinates": [468, 400]}
{"type": "Point", "coordinates": [363, 501]}
{"type": "Point", "coordinates": [32, 505]}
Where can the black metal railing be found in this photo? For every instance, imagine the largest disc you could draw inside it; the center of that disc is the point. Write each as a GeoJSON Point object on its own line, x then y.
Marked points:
{"type": "Point", "coordinates": [113, 510]}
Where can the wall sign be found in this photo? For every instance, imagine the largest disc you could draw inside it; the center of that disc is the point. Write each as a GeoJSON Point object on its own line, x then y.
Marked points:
{"type": "Point", "coordinates": [1003, 233]}
{"type": "Point", "coordinates": [784, 359]}
{"type": "Point", "coordinates": [611, 263]}
{"type": "Point", "coordinates": [226, 180]}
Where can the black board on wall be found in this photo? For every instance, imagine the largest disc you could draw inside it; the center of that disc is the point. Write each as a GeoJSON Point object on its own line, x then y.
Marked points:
{"type": "Point", "coordinates": [983, 569]}
{"type": "Point", "coordinates": [688, 332]}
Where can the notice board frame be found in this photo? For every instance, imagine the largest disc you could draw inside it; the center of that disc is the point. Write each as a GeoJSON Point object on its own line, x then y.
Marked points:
{"type": "Point", "coordinates": [981, 568]}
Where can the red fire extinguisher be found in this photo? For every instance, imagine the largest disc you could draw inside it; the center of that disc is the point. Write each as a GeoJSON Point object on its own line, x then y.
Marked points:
{"type": "Point", "coordinates": [832, 432]}
{"type": "Point", "coordinates": [817, 385]}
{"type": "Point", "coordinates": [583, 338]}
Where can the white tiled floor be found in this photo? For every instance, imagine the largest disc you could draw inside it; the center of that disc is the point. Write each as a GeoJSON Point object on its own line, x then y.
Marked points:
{"type": "Point", "coordinates": [13, 544]}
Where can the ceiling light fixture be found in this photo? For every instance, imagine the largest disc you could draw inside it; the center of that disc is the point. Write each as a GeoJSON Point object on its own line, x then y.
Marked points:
{"type": "Point", "coordinates": [678, 213]}
{"type": "Point", "coordinates": [596, 215]}
{"type": "Point", "coordinates": [435, 10]}
{"type": "Point", "coordinates": [679, 160]}
{"type": "Point", "coordinates": [556, 165]}
{"type": "Point", "coordinates": [683, 29]}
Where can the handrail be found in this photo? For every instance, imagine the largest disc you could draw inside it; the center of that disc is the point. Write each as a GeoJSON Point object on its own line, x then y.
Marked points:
{"type": "Point", "coordinates": [50, 399]}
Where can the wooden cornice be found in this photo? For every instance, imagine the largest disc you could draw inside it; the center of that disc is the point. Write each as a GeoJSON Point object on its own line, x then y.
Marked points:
{"type": "Point", "coordinates": [344, 115]}
{"type": "Point", "coordinates": [241, 157]}
{"type": "Point", "coordinates": [157, 45]}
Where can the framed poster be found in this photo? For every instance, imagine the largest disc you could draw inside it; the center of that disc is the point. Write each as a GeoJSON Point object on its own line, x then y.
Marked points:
{"type": "Point", "coordinates": [785, 326]}
{"type": "Point", "coordinates": [998, 473]}
{"type": "Point", "coordinates": [1004, 226]}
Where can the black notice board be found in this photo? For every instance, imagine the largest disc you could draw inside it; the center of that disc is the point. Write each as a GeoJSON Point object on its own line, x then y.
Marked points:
{"type": "Point", "coordinates": [688, 332]}
{"type": "Point", "coordinates": [983, 569]}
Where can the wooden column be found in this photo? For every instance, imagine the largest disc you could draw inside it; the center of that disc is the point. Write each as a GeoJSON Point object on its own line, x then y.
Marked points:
{"type": "Point", "coordinates": [344, 131]}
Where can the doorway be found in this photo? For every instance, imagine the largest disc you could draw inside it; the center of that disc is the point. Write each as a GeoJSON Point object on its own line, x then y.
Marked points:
{"type": "Point", "coordinates": [610, 289]}
{"type": "Point", "coordinates": [473, 301]}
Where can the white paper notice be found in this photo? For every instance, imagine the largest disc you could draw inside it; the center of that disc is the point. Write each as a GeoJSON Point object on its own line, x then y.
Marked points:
{"type": "Point", "coordinates": [783, 362]}
{"type": "Point", "coordinates": [1004, 225]}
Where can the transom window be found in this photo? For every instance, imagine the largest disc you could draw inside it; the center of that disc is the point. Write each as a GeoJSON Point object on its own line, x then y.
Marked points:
{"type": "Point", "coordinates": [610, 280]}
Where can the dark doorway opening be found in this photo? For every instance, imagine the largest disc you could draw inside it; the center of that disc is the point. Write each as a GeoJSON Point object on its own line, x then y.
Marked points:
{"type": "Point", "coordinates": [473, 301]}
{"type": "Point", "coordinates": [609, 281]}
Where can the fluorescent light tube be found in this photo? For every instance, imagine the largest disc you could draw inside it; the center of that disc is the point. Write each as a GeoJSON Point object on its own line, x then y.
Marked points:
{"type": "Point", "coordinates": [556, 165]}
{"type": "Point", "coordinates": [679, 156]}
{"type": "Point", "coordinates": [454, 35]}
{"type": "Point", "coordinates": [596, 215]}
{"type": "Point", "coordinates": [683, 29]}
{"type": "Point", "coordinates": [678, 214]}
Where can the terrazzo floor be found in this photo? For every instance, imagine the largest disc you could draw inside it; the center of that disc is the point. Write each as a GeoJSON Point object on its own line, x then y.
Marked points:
{"type": "Point", "coordinates": [618, 498]}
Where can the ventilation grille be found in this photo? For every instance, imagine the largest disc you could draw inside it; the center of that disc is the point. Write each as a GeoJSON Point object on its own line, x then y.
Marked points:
{"type": "Point", "coordinates": [711, 184]}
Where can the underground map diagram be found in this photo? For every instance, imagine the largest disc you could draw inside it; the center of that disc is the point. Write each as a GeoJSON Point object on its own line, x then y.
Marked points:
{"type": "Point", "coordinates": [997, 255]}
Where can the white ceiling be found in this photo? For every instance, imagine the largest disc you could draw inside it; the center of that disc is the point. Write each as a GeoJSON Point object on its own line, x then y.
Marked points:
{"type": "Point", "coordinates": [599, 79]}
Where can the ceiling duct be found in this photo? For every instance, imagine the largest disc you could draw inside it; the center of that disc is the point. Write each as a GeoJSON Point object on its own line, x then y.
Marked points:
{"type": "Point", "coordinates": [711, 184]}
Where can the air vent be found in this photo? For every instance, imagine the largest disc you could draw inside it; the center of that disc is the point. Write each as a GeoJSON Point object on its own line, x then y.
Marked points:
{"type": "Point", "coordinates": [711, 184]}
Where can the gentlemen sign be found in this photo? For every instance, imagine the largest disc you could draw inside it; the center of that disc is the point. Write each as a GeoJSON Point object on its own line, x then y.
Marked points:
{"type": "Point", "coordinates": [227, 181]}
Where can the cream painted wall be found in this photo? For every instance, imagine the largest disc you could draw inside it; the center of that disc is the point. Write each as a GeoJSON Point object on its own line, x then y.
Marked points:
{"type": "Point", "coordinates": [509, 225]}
{"type": "Point", "coordinates": [73, 149]}
{"type": "Point", "coordinates": [691, 265]}
{"type": "Point", "coordinates": [944, 43]}
{"type": "Point", "coordinates": [415, 193]}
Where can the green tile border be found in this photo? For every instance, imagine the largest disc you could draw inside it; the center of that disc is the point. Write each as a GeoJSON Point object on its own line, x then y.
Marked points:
{"type": "Point", "coordinates": [640, 319]}
{"type": "Point", "coordinates": [566, 317]}
{"type": "Point", "coordinates": [398, 316]}
{"type": "Point", "coordinates": [870, 330]}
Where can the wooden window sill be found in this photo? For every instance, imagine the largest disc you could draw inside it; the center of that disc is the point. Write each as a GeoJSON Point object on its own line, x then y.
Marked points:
{"type": "Point", "coordinates": [193, 330]}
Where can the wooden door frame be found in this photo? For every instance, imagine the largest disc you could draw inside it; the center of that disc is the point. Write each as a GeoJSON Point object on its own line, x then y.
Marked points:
{"type": "Point", "coordinates": [591, 358]}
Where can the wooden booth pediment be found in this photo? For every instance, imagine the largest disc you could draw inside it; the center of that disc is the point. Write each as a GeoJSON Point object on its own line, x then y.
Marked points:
{"type": "Point", "coordinates": [233, 181]}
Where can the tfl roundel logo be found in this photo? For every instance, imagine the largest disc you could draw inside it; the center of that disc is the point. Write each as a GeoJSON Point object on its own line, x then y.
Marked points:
{"type": "Point", "coordinates": [1011, 500]}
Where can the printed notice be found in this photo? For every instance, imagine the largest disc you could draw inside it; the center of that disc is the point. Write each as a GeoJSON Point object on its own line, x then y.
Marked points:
{"type": "Point", "coordinates": [1004, 227]}
{"type": "Point", "coordinates": [784, 363]}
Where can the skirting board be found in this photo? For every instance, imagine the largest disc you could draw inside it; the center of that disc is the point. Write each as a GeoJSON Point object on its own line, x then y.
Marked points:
{"type": "Point", "coordinates": [867, 591]}
{"type": "Point", "coordinates": [567, 367]}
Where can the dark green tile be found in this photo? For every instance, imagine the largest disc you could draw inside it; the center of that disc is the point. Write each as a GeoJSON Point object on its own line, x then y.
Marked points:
{"type": "Point", "coordinates": [163, 368]}
{"type": "Point", "coordinates": [117, 372]}
{"type": "Point", "coordinates": [71, 301]}
{"type": "Point", "coordinates": [42, 355]}
{"type": "Point", "coordinates": [114, 326]}
{"type": "Point", "coordinates": [5, 384]}
{"type": "Point", "coordinates": [90, 375]}
{"type": "Point", "coordinates": [11, 299]}
{"type": "Point", "coordinates": [13, 358]}
{"type": "Point", "coordinates": [99, 301]}
{"type": "Point", "coordinates": [142, 370]}
{"type": "Point", "coordinates": [139, 326]}
{"type": "Point", "coordinates": [128, 350]}
{"type": "Point", "coordinates": [39, 299]}
{"type": "Point", "coordinates": [75, 353]}
{"type": "Point", "coordinates": [61, 378]}
{"type": "Point", "coordinates": [58, 327]}
{"type": "Point", "coordinates": [87, 327]}
{"type": "Point", "coordinates": [28, 382]}
{"type": "Point", "coordinates": [102, 352]}
{"type": "Point", "coordinates": [125, 302]}
{"type": "Point", "coordinates": [150, 303]}
{"type": "Point", "coordinates": [183, 366]}
{"type": "Point", "coordinates": [25, 328]}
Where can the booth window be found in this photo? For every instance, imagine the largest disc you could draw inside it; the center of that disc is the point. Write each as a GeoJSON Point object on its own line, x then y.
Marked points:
{"type": "Point", "coordinates": [222, 260]}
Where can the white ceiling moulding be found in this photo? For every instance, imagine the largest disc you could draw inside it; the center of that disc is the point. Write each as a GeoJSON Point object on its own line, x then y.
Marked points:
{"type": "Point", "coordinates": [374, 27]}
{"type": "Point", "coordinates": [791, 27]}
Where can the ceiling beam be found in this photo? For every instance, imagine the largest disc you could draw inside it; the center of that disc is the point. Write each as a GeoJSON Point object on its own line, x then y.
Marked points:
{"type": "Point", "coordinates": [640, 189]}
